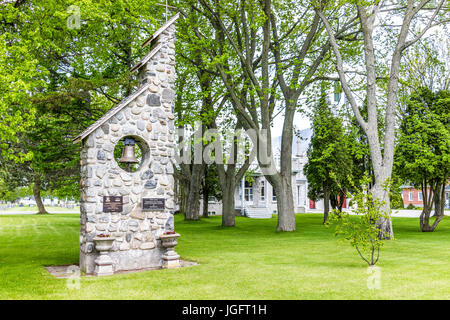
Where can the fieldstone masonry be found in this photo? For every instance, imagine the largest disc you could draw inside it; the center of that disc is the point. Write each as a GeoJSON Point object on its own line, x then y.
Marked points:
{"type": "Point", "coordinates": [147, 116]}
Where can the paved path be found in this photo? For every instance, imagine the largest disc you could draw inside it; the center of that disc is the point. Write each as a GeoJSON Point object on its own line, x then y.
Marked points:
{"type": "Point", "coordinates": [413, 213]}
{"type": "Point", "coordinates": [395, 213]}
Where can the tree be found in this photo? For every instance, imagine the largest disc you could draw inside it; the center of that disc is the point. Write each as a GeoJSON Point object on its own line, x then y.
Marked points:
{"type": "Point", "coordinates": [258, 57]}
{"type": "Point", "coordinates": [21, 76]}
{"type": "Point", "coordinates": [329, 165]}
{"type": "Point", "coordinates": [427, 65]}
{"type": "Point", "coordinates": [23, 158]}
{"type": "Point", "coordinates": [190, 173]}
{"type": "Point", "coordinates": [230, 173]}
{"type": "Point", "coordinates": [381, 150]}
{"type": "Point", "coordinates": [55, 162]}
{"type": "Point", "coordinates": [361, 229]}
{"type": "Point", "coordinates": [423, 150]}
{"type": "Point", "coordinates": [68, 85]}
{"type": "Point", "coordinates": [194, 107]}
{"type": "Point", "coordinates": [210, 187]}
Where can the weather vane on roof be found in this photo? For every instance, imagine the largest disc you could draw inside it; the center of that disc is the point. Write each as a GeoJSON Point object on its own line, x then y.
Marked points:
{"type": "Point", "coordinates": [167, 8]}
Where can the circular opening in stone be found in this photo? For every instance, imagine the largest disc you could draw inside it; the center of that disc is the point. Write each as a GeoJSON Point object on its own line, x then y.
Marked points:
{"type": "Point", "coordinates": [140, 152]}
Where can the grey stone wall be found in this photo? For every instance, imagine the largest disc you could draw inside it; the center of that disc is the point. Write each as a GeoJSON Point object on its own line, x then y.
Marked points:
{"type": "Point", "coordinates": [149, 119]}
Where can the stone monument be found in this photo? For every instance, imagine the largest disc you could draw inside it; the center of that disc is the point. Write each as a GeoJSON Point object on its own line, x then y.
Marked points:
{"type": "Point", "coordinates": [132, 205]}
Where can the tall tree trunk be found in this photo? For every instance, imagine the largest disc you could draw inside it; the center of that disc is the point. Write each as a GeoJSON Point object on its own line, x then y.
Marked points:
{"type": "Point", "coordinates": [205, 202]}
{"type": "Point", "coordinates": [333, 201]}
{"type": "Point", "coordinates": [229, 178]}
{"type": "Point", "coordinates": [326, 203]}
{"type": "Point", "coordinates": [384, 224]}
{"type": "Point", "coordinates": [228, 202]}
{"type": "Point", "coordinates": [285, 205]}
{"type": "Point", "coordinates": [37, 197]}
{"type": "Point", "coordinates": [436, 195]}
{"type": "Point", "coordinates": [183, 192]}
{"type": "Point", "coordinates": [439, 199]}
{"type": "Point", "coordinates": [283, 179]}
{"type": "Point", "coordinates": [341, 200]}
{"type": "Point", "coordinates": [192, 198]}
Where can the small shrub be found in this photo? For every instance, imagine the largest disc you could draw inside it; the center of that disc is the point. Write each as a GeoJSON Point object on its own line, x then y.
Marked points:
{"type": "Point", "coordinates": [411, 207]}
{"type": "Point", "coordinates": [397, 203]}
{"type": "Point", "coordinates": [362, 229]}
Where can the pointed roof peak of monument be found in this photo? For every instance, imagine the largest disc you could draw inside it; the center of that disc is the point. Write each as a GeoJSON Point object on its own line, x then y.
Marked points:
{"type": "Point", "coordinates": [161, 30]}
{"type": "Point", "coordinates": [153, 37]}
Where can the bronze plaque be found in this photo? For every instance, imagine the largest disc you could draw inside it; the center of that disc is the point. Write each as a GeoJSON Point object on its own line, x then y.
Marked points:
{"type": "Point", "coordinates": [153, 204]}
{"type": "Point", "coordinates": [112, 203]}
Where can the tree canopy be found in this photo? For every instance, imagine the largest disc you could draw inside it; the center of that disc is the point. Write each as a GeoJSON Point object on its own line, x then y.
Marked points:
{"type": "Point", "coordinates": [423, 149]}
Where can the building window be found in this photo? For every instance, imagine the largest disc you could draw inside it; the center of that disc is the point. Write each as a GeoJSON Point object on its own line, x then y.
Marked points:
{"type": "Point", "coordinates": [263, 191]}
{"type": "Point", "coordinates": [301, 194]}
{"type": "Point", "coordinates": [248, 191]}
{"type": "Point", "coordinates": [420, 196]}
{"type": "Point", "coordinates": [410, 196]}
{"type": "Point", "coordinates": [274, 196]}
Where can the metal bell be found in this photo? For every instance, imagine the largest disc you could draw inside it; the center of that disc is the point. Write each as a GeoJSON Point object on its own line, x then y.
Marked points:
{"type": "Point", "coordinates": [128, 155]}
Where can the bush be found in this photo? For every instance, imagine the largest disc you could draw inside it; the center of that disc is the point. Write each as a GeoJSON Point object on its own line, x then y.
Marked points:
{"type": "Point", "coordinates": [362, 229]}
{"type": "Point", "coordinates": [397, 203]}
{"type": "Point", "coordinates": [411, 207]}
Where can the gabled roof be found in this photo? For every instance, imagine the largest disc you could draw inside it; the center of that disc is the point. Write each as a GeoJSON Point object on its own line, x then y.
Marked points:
{"type": "Point", "coordinates": [110, 113]}
{"type": "Point", "coordinates": [161, 30]}
{"type": "Point", "coordinates": [146, 58]}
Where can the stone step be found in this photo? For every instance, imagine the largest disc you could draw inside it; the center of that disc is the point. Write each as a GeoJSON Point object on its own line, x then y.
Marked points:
{"type": "Point", "coordinates": [258, 213]}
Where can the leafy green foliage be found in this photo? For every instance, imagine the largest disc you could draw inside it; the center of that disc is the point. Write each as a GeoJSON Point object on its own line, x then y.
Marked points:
{"type": "Point", "coordinates": [423, 148]}
{"type": "Point", "coordinates": [211, 182]}
{"type": "Point", "coordinates": [396, 193]}
{"type": "Point", "coordinates": [55, 80]}
{"type": "Point", "coordinates": [21, 77]}
{"type": "Point", "coordinates": [329, 166]}
{"type": "Point", "coordinates": [362, 229]}
{"type": "Point", "coordinates": [7, 193]}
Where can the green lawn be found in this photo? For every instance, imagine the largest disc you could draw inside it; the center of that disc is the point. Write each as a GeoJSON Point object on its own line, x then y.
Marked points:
{"type": "Point", "coordinates": [48, 208]}
{"type": "Point", "coordinates": [251, 261]}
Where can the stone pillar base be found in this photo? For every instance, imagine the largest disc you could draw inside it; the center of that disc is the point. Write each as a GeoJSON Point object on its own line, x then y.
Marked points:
{"type": "Point", "coordinates": [103, 266]}
{"type": "Point", "coordinates": [171, 260]}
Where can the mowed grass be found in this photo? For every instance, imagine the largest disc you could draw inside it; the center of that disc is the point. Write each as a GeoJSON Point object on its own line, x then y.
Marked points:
{"type": "Point", "coordinates": [250, 261]}
{"type": "Point", "coordinates": [35, 209]}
